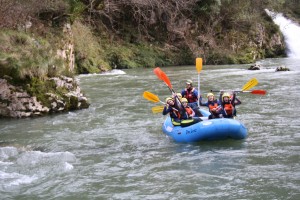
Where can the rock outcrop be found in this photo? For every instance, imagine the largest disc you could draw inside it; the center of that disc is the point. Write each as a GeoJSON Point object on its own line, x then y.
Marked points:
{"type": "Point", "coordinates": [15, 102]}
{"type": "Point", "coordinates": [254, 67]}
{"type": "Point", "coordinates": [282, 68]}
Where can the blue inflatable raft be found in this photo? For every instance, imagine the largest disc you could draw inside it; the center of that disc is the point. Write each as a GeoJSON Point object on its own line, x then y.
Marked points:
{"type": "Point", "coordinates": [214, 129]}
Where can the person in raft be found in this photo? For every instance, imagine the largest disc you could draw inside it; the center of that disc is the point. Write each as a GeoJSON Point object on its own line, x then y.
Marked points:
{"type": "Point", "coordinates": [192, 119]}
{"type": "Point", "coordinates": [177, 118]}
{"type": "Point", "coordinates": [228, 104]}
{"type": "Point", "coordinates": [214, 106]}
{"type": "Point", "coordinates": [191, 94]}
{"type": "Point", "coordinates": [175, 115]}
{"type": "Point", "coordinates": [190, 112]}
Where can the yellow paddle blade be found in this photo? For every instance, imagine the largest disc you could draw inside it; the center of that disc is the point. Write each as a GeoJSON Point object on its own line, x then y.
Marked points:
{"type": "Point", "coordinates": [151, 97]}
{"type": "Point", "coordinates": [250, 84]}
{"type": "Point", "coordinates": [157, 109]}
{"type": "Point", "coordinates": [199, 64]}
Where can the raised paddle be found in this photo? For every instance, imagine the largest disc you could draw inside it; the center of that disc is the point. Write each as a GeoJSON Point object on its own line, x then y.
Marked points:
{"type": "Point", "coordinates": [198, 68]}
{"type": "Point", "coordinates": [250, 84]}
{"type": "Point", "coordinates": [151, 97]}
{"type": "Point", "coordinates": [162, 76]}
{"type": "Point", "coordinates": [258, 92]}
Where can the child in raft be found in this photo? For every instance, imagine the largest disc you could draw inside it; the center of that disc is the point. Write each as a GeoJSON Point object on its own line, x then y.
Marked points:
{"type": "Point", "coordinates": [171, 109]}
{"type": "Point", "coordinates": [228, 104]}
{"type": "Point", "coordinates": [185, 118]}
{"type": "Point", "coordinates": [213, 105]}
{"type": "Point", "coordinates": [192, 118]}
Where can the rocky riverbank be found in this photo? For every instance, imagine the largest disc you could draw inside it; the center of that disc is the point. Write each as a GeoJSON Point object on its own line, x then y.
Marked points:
{"type": "Point", "coordinates": [15, 102]}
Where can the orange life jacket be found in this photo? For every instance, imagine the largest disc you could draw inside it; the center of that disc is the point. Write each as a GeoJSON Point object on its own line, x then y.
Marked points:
{"type": "Point", "coordinates": [189, 110]}
{"type": "Point", "coordinates": [213, 108]}
{"type": "Point", "coordinates": [228, 108]}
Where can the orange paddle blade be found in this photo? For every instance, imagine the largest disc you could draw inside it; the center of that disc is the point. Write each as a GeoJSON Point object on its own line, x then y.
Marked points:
{"type": "Point", "coordinates": [162, 76]}
{"type": "Point", "coordinates": [157, 71]}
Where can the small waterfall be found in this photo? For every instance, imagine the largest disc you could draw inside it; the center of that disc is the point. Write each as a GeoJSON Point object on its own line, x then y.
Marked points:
{"type": "Point", "coordinates": [290, 31]}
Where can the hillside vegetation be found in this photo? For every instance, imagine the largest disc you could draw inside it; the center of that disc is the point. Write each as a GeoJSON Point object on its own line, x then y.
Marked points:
{"type": "Point", "coordinates": [136, 33]}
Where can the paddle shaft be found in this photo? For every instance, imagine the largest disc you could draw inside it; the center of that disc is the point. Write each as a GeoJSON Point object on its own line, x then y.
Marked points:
{"type": "Point", "coordinates": [198, 68]}
{"type": "Point", "coordinates": [259, 92]}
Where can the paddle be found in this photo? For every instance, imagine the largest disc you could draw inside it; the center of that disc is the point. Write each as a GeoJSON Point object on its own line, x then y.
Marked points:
{"type": "Point", "coordinates": [198, 68]}
{"type": "Point", "coordinates": [157, 109]}
{"type": "Point", "coordinates": [151, 97]}
{"type": "Point", "coordinates": [162, 76]}
{"type": "Point", "coordinates": [258, 92]}
{"type": "Point", "coordinates": [250, 84]}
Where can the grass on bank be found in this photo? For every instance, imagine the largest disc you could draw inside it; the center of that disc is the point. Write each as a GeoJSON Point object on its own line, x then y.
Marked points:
{"type": "Point", "coordinates": [28, 62]}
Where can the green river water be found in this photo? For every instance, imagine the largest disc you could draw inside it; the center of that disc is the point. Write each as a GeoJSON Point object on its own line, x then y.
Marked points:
{"type": "Point", "coordinates": [116, 150]}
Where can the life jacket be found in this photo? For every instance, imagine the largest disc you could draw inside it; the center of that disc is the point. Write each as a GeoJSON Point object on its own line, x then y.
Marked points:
{"type": "Point", "coordinates": [229, 109]}
{"type": "Point", "coordinates": [213, 107]}
{"type": "Point", "coordinates": [176, 114]}
{"type": "Point", "coordinates": [189, 110]}
{"type": "Point", "coordinates": [190, 97]}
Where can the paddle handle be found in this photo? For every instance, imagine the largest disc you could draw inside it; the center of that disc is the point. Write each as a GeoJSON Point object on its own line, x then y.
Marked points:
{"type": "Point", "coordinates": [199, 93]}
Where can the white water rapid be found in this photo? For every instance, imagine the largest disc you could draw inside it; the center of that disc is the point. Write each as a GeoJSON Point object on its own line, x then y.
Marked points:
{"type": "Point", "coordinates": [290, 31]}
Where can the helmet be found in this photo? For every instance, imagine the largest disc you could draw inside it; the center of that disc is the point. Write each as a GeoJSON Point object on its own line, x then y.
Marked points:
{"type": "Point", "coordinates": [184, 100]}
{"type": "Point", "coordinates": [210, 94]}
{"type": "Point", "coordinates": [226, 95]}
{"type": "Point", "coordinates": [168, 99]}
{"type": "Point", "coordinates": [189, 81]}
{"type": "Point", "coordinates": [179, 95]}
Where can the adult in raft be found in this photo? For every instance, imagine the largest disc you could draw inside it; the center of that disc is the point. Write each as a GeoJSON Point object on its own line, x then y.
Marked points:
{"type": "Point", "coordinates": [228, 104]}
{"type": "Point", "coordinates": [191, 94]}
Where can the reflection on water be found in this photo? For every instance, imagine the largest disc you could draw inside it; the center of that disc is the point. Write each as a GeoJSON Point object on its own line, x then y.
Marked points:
{"type": "Point", "coordinates": [116, 150]}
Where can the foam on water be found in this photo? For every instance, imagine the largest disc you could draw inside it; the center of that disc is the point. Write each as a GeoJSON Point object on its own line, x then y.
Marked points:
{"type": "Point", "coordinates": [112, 72]}
{"type": "Point", "coordinates": [33, 165]}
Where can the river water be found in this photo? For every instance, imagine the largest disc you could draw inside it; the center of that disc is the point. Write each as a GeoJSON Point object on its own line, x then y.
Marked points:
{"type": "Point", "coordinates": [116, 150]}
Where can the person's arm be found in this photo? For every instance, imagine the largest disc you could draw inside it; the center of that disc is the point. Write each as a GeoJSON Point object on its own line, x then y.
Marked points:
{"type": "Point", "coordinates": [237, 101]}
{"type": "Point", "coordinates": [220, 97]}
{"type": "Point", "coordinates": [182, 93]}
{"type": "Point", "coordinates": [233, 99]}
{"type": "Point", "coordinates": [196, 93]}
{"type": "Point", "coordinates": [166, 110]}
